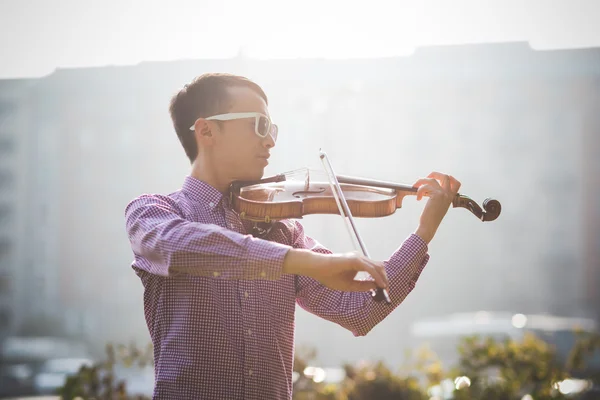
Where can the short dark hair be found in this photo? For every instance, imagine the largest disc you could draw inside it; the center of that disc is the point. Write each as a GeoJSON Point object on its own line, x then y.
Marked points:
{"type": "Point", "coordinates": [206, 95]}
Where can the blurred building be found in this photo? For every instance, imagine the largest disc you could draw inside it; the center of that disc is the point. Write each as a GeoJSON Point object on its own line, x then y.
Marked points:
{"type": "Point", "coordinates": [591, 196]}
{"type": "Point", "coordinates": [14, 179]}
{"type": "Point", "coordinates": [502, 116]}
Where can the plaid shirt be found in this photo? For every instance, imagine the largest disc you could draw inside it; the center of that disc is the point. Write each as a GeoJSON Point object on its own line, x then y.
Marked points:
{"type": "Point", "coordinates": [220, 311]}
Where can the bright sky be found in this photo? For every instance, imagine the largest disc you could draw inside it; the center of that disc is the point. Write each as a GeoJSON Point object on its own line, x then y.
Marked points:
{"type": "Point", "coordinates": [38, 36]}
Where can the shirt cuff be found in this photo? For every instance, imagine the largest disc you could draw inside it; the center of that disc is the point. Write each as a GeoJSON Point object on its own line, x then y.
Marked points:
{"type": "Point", "coordinates": [265, 259]}
{"type": "Point", "coordinates": [419, 240]}
{"type": "Point", "coordinates": [409, 260]}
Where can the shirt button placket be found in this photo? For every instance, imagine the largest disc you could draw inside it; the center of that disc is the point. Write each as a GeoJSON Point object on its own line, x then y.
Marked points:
{"type": "Point", "coordinates": [249, 312]}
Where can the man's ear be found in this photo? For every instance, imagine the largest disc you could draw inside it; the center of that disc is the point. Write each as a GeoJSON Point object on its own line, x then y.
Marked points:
{"type": "Point", "coordinates": [205, 129]}
{"type": "Point", "coordinates": [204, 133]}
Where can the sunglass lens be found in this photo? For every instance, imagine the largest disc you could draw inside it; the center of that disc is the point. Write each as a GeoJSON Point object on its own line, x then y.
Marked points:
{"type": "Point", "coordinates": [263, 126]}
{"type": "Point", "coordinates": [274, 132]}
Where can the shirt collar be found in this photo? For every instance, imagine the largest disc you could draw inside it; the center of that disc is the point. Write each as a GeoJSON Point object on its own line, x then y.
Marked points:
{"type": "Point", "coordinates": [202, 192]}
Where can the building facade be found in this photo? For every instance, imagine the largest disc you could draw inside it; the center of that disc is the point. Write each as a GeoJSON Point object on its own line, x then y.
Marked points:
{"type": "Point", "coordinates": [14, 180]}
{"type": "Point", "coordinates": [513, 123]}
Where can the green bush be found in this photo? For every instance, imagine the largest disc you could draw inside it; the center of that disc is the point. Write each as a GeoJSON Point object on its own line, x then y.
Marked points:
{"type": "Point", "coordinates": [99, 381]}
{"type": "Point", "coordinates": [488, 369]}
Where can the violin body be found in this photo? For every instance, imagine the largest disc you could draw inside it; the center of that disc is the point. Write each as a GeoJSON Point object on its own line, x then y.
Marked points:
{"type": "Point", "coordinates": [275, 201]}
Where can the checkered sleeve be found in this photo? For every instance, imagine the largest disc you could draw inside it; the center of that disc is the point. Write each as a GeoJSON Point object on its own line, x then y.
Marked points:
{"type": "Point", "coordinates": [165, 243]}
{"type": "Point", "coordinates": [357, 311]}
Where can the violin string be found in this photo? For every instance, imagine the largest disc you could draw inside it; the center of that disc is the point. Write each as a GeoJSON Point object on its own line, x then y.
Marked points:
{"type": "Point", "coordinates": [301, 174]}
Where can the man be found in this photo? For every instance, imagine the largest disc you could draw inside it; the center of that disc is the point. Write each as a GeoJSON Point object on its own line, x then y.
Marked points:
{"type": "Point", "coordinates": [220, 303]}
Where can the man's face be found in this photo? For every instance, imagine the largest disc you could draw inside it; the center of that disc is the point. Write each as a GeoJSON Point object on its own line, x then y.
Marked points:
{"type": "Point", "coordinates": [239, 152]}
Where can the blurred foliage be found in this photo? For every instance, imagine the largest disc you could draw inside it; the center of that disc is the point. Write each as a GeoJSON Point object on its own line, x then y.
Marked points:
{"type": "Point", "coordinates": [586, 345]}
{"type": "Point", "coordinates": [488, 369]}
{"type": "Point", "coordinates": [509, 369]}
{"type": "Point", "coordinates": [377, 381]}
{"type": "Point", "coordinates": [100, 382]}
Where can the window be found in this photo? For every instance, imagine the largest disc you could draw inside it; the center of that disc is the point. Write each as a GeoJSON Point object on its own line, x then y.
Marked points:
{"type": "Point", "coordinates": [7, 145]}
{"type": "Point", "coordinates": [5, 214]}
{"type": "Point", "coordinates": [6, 108]}
{"type": "Point", "coordinates": [6, 179]}
{"type": "Point", "coordinates": [4, 248]}
{"type": "Point", "coordinates": [4, 317]}
{"type": "Point", "coordinates": [4, 283]}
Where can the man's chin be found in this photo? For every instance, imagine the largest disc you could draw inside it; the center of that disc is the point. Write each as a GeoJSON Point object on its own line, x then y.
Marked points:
{"type": "Point", "coordinates": [251, 175]}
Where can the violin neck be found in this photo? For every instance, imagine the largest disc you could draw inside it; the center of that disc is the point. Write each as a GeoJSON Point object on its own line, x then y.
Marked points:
{"type": "Point", "coordinates": [375, 183]}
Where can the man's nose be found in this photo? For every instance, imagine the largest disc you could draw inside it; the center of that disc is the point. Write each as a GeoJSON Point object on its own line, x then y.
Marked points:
{"type": "Point", "coordinates": [268, 141]}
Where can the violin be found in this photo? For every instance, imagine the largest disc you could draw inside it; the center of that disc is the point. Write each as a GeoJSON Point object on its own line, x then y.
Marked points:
{"type": "Point", "coordinates": [294, 194]}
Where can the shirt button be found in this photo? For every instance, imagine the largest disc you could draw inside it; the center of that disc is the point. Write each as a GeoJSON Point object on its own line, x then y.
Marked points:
{"type": "Point", "coordinates": [211, 204]}
{"type": "Point", "coordinates": [263, 274]}
{"type": "Point", "coordinates": [245, 294]}
{"type": "Point", "coordinates": [249, 331]}
{"type": "Point", "coordinates": [216, 273]}
{"type": "Point", "coordinates": [250, 372]}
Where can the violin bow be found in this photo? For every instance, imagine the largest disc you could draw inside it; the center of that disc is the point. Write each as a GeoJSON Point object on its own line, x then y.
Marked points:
{"type": "Point", "coordinates": [380, 294]}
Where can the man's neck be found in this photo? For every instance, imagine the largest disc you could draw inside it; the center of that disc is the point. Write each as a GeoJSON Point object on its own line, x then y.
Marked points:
{"type": "Point", "coordinates": [206, 174]}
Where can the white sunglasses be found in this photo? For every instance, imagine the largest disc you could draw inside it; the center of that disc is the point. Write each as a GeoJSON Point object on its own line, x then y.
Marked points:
{"type": "Point", "coordinates": [262, 124]}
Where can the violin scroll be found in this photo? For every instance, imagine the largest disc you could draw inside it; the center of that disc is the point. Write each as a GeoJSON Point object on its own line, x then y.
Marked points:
{"type": "Point", "coordinates": [491, 207]}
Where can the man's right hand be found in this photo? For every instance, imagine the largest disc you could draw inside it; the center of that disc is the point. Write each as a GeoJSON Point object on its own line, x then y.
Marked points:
{"type": "Point", "coordinates": [336, 271]}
